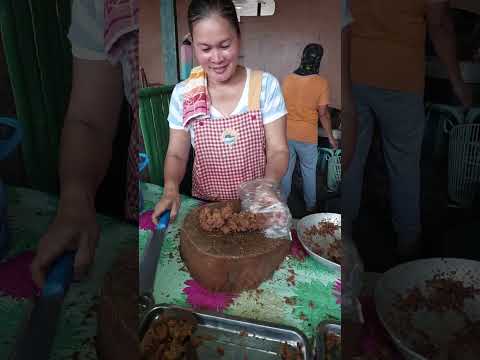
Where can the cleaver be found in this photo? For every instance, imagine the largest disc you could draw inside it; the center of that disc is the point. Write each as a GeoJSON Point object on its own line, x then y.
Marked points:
{"type": "Point", "coordinates": [38, 330]}
{"type": "Point", "coordinates": [151, 254]}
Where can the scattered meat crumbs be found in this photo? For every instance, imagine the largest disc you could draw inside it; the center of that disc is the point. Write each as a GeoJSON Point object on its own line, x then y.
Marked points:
{"type": "Point", "coordinates": [291, 280]}
{"type": "Point", "coordinates": [290, 300]}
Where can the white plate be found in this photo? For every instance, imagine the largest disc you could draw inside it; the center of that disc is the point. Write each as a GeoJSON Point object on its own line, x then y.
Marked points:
{"type": "Point", "coordinates": [315, 219]}
{"type": "Point", "coordinates": [439, 327]}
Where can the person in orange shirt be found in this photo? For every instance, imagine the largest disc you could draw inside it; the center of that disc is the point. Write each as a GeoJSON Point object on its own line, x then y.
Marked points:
{"type": "Point", "coordinates": [307, 98]}
{"type": "Point", "coordinates": [388, 74]}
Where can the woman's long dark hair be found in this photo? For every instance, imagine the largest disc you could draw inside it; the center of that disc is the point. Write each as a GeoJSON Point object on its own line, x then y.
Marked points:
{"type": "Point", "coordinates": [201, 9]}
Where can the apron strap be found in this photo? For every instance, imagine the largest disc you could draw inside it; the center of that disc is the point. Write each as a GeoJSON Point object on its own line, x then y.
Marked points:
{"type": "Point", "coordinates": [254, 90]}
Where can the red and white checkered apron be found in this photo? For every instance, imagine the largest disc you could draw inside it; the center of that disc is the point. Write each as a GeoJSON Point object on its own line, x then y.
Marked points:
{"type": "Point", "coordinates": [121, 45]}
{"type": "Point", "coordinates": [228, 152]}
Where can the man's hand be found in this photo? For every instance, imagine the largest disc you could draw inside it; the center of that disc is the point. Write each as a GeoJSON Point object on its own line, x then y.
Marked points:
{"type": "Point", "coordinates": [86, 145]}
{"type": "Point", "coordinates": [442, 33]}
{"type": "Point", "coordinates": [463, 93]}
{"type": "Point", "coordinates": [74, 228]}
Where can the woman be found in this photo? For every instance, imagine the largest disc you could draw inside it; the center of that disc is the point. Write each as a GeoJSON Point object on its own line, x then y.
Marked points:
{"type": "Point", "coordinates": [233, 117]}
{"type": "Point", "coordinates": [307, 97]}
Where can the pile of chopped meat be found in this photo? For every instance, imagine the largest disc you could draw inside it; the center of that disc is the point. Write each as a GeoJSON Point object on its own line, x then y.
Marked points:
{"type": "Point", "coordinates": [441, 295]}
{"type": "Point", "coordinates": [448, 294]}
{"type": "Point", "coordinates": [227, 221]}
{"type": "Point", "coordinates": [333, 251]}
{"type": "Point", "coordinates": [289, 353]}
{"type": "Point", "coordinates": [169, 339]}
{"type": "Point", "coordinates": [322, 229]}
{"type": "Point", "coordinates": [333, 345]}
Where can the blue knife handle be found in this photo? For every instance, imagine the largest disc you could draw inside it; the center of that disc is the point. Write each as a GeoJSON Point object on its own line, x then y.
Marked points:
{"type": "Point", "coordinates": [60, 275]}
{"type": "Point", "coordinates": [163, 220]}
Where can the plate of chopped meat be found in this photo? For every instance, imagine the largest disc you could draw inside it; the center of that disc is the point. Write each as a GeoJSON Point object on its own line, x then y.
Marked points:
{"type": "Point", "coordinates": [321, 235]}
{"type": "Point", "coordinates": [431, 308]}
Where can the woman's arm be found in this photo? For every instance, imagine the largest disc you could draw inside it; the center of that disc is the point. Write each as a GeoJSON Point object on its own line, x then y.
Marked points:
{"type": "Point", "coordinates": [326, 122]}
{"type": "Point", "coordinates": [176, 159]}
{"type": "Point", "coordinates": [277, 149]}
{"type": "Point", "coordinates": [174, 171]}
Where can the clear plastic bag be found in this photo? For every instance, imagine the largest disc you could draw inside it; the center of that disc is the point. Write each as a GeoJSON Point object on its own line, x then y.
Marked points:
{"type": "Point", "coordinates": [264, 197]}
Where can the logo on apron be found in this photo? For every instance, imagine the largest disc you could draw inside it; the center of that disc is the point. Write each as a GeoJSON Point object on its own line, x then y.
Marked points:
{"type": "Point", "coordinates": [230, 137]}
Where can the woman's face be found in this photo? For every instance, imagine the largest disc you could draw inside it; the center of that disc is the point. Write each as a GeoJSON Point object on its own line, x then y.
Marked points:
{"type": "Point", "coordinates": [217, 47]}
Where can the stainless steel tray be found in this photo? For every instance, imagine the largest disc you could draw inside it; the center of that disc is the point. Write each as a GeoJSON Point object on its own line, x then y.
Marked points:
{"type": "Point", "coordinates": [238, 338]}
{"type": "Point", "coordinates": [324, 328]}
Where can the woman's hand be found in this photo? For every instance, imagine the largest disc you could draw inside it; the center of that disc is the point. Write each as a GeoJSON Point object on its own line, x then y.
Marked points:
{"type": "Point", "coordinates": [262, 196]}
{"type": "Point", "coordinates": [175, 166]}
{"type": "Point", "coordinates": [326, 122]}
{"type": "Point", "coordinates": [332, 141]}
{"type": "Point", "coordinates": [74, 228]}
{"type": "Point", "coordinates": [169, 201]}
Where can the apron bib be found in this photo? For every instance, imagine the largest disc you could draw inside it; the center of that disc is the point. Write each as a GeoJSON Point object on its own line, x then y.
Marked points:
{"type": "Point", "coordinates": [229, 151]}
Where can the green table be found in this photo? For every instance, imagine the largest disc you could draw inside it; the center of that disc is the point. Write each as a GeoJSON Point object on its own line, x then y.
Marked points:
{"type": "Point", "coordinates": [29, 215]}
{"type": "Point", "coordinates": [302, 300]}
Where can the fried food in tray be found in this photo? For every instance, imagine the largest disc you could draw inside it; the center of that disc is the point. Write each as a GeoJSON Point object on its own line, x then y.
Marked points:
{"type": "Point", "coordinates": [171, 333]}
{"type": "Point", "coordinates": [289, 353]}
{"type": "Point", "coordinates": [170, 337]}
{"type": "Point", "coordinates": [333, 349]}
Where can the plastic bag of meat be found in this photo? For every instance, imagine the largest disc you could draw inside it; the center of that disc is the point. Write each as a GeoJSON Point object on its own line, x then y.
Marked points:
{"type": "Point", "coordinates": [263, 197]}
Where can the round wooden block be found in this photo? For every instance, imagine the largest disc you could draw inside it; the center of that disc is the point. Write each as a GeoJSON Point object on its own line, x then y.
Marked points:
{"type": "Point", "coordinates": [229, 263]}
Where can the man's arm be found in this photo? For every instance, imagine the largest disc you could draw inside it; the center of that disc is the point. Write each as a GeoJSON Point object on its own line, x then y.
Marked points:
{"type": "Point", "coordinates": [349, 119]}
{"type": "Point", "coordinates": [89, 129]}
{"type": "Point", "coordinates": [442, 33]}
{"type": "Point", "coordinates": [86, 145]}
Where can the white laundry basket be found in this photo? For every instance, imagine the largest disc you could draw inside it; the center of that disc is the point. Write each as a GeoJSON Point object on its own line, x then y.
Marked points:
{"type": "Point", "coordinates": [464, 164]}
{"type": "Point", "coordinates": [473, 116]}
{"type": "Point", "coordinates": [333, 159]}
{"type": "Point", "coordinates": [440, 119]}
